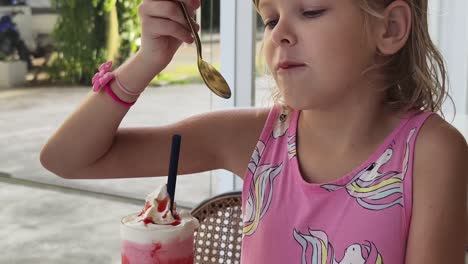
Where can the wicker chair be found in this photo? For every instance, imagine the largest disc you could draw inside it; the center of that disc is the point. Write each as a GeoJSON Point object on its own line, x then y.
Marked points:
{"type": "Point", "coordinates": [218, 240]}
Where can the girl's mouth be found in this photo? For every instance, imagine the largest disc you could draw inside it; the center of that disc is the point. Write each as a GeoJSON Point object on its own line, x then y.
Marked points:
{"type": "Point", "coordinates": [289, 66]}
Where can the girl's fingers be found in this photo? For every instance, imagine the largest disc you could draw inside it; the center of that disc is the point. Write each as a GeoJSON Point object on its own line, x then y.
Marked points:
{"type": "Point", "coordinates": [158, 27]}
{"type": "Point", "coordinates": [165, 9]}
{"type": "Point", "coordinates": [191, 5]}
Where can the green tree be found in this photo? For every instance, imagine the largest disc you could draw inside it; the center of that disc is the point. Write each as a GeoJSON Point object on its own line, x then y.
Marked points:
{"type": "Point", "coordinates": [89, 33]}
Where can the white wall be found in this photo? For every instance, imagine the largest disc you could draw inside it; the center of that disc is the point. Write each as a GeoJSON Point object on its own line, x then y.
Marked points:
{"type": "Point", "coordinates": [452, 38]}
{"type": "Point", "coordinates": [43, 23]}
{"type": "Point", "coordinates": [39, 3]}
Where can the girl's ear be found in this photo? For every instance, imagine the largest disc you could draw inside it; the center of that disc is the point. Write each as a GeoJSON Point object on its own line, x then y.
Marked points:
{"type": "Point", "coordinates": [392, 32]}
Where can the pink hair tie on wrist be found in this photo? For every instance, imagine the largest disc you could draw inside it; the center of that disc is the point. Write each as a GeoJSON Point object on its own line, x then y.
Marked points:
{"type": "Point", "coordinates": [102, 79]}
{"type": "Point", "coordinates": [123, 88]}
{"type": "Point", "coordinates": [116, 98]}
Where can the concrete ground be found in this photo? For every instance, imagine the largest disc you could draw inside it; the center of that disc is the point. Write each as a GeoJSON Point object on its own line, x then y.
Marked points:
{"type": "Point", "coordinates": [43, 224]}
{"type": "Point", "coordinates": [47, 219]}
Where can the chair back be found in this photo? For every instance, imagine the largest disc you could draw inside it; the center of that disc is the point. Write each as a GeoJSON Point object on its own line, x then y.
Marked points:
{"type": "Point", "coordinates": [219, 237]}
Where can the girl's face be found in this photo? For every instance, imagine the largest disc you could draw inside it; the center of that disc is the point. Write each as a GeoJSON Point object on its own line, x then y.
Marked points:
{"type": "Point", "coordinates": [316, 50]}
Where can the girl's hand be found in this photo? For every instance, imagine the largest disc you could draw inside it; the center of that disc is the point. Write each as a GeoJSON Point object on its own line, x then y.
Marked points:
{"type": "Point", "coordinates": [164, 28]}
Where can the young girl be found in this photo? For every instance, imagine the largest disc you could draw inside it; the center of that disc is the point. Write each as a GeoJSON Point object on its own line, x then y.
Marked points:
{"type": "Point", "coordinates": [351, 165]}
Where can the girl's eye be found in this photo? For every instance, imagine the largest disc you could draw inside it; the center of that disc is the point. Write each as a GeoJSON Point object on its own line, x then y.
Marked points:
{"type": "Point", "coordinates": [313, 13]}
{"type": "Point", "coordinates": [270, 24]}
{"type": "Point", "coordinates": [310, 14]}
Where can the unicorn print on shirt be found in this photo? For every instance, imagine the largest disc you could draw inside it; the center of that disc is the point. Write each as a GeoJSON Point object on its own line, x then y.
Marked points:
{"type": "Point", "coordinates": [376, 190]}
{"type": "Point", "coordinates": [316, 249]}
{"type": "Point", "coordinates": [282, 124]}
{"type": "Point", "coordinates": [292, 150]}
{"type": "Point", "coordinates": [260, 195]}
{"type": "Point", "coordinates": [261, 186]}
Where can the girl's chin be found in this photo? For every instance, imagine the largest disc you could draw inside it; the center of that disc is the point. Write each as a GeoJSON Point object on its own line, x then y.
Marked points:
{"type": "Point", "coordinates": [305, 102]}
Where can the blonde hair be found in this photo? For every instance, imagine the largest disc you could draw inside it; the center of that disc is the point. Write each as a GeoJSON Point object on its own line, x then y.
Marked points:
{"type": "Point", "coordinates": [416, 76]}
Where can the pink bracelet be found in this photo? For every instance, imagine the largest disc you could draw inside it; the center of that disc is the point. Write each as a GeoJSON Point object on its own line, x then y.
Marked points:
{"type": "Point", "coordinates": [123, 88]}
{"type": "Point", "coordinates": [102, 79]}
{"type": "Point", "coordinates": [116, 98]}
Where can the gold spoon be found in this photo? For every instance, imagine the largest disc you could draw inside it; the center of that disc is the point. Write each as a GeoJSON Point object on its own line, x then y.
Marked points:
{"type": "Point", "coordinates": [212, 78]}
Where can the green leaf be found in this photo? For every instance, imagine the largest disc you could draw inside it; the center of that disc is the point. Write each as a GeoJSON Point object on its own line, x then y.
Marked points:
{"type": "Point", "coordinates": [86, 34]}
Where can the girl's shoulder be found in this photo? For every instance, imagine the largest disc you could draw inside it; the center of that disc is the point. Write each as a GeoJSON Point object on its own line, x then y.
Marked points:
{"type": "Point", "coordinates": [436, 131]}
{"type": "Point", "coordinates": [436, 136]}
{"type": "Point", "coordinates": [439, 187]}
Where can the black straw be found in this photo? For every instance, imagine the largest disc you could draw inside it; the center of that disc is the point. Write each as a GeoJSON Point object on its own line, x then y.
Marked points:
{"type": "Point", "coordinates": [173, 165]}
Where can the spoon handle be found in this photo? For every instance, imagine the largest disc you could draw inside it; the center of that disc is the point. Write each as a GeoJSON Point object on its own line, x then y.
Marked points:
{"type": "Point", "coordinates": [194, 33]}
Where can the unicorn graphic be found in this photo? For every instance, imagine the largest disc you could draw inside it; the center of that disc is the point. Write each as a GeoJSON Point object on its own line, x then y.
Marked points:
{"type": "Point", "coordinates": [261, 187]}
{"type": "Point", "coordinates": [282, 124]}
{"type": "Point", "coordinates": [260, 196]}
{"type": "Point", "coordinates": [317, 249]}
{"type": "Point", "coordinates": [292, 150]}
{"type": "Point", "coordinates": [255, 159]}
{"type": "Point", "coordinates": [260, 191]}
{"type": "Point", "coordinates": [376, 190]}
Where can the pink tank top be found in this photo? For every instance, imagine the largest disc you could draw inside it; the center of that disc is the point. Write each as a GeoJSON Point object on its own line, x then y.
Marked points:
{"type": "Point", "coordinates": [363, 217]}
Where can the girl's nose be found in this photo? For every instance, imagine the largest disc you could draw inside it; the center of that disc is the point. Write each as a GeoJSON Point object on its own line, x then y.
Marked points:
{"type": "Point", "coordinates": [283, 34]}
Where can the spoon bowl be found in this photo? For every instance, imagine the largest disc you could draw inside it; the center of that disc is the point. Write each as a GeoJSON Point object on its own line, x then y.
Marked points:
{"type": "Point", "coordinates": [212, 78]}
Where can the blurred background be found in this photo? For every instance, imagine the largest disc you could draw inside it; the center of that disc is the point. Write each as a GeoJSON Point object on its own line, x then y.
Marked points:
{"type": "Point", "coordinates": [50, 49]}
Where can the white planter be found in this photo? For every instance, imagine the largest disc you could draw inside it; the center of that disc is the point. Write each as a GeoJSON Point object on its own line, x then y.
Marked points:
{"type": "Point", "coordinates": [12, 73]}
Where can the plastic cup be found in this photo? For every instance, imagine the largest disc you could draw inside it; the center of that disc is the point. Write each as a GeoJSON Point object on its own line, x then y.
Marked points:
{"type": "Point", "coordinates": [156, 244]}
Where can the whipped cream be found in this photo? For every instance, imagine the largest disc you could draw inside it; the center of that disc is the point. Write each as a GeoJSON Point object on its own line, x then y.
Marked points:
{"type": "Point", "coordinates": [156, 213]}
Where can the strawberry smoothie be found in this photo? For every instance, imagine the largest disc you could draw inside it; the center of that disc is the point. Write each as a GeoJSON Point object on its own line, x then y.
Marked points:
{"type": "Point", "coordinates": [155, 236]}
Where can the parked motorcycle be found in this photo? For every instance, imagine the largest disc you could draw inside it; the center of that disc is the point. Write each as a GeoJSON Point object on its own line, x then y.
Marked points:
{"type": "Point", "coordinates": [12, 2]}
{"type": "Point", "coordinates": [11, 41]}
